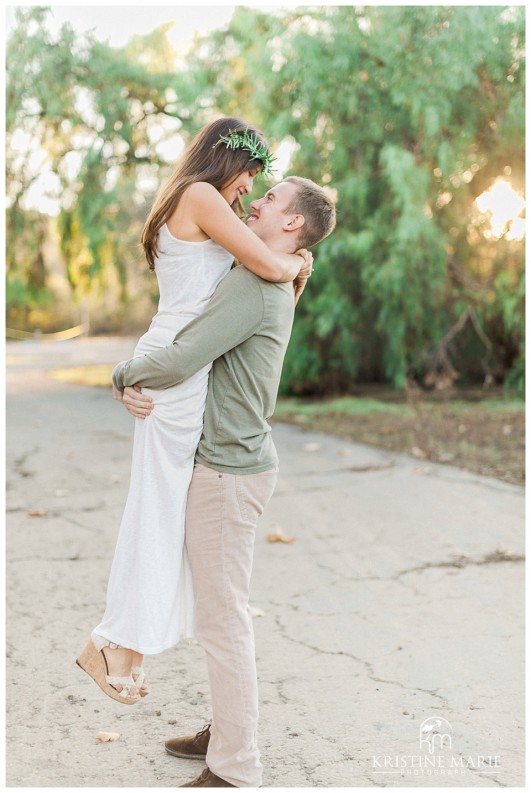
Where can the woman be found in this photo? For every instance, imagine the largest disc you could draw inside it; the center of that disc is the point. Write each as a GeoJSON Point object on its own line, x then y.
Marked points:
{"type": "Point", "coordinates": [191, 237]}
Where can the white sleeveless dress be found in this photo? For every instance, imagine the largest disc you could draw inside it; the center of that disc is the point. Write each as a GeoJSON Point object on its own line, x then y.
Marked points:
{"type": "Point", "coordinates": [150, 598]}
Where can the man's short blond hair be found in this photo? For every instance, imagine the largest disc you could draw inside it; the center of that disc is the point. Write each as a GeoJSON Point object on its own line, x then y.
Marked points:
{"type": "Point", "coordinates": [318, 210]}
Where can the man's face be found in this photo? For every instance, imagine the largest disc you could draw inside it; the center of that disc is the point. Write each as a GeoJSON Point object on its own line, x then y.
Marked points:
{"type": "Point", "coordinates": [268, 217]}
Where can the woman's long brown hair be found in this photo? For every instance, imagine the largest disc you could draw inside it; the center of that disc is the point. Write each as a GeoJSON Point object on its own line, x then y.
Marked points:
{"type": "Point", "coordinates": [203, 161]}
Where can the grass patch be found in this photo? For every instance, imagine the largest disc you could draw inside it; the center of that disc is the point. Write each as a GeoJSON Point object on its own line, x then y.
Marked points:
{"type": "Point", "coordinates": [98, 375]}
{"type": "Point", "coordinates": [485, 436]}
{"type": "Point", "coordinates": [348, 406]}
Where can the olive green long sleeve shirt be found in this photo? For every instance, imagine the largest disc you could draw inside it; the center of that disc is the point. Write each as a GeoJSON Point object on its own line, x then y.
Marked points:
{"type": "Point", "coordinates": [245, 330]}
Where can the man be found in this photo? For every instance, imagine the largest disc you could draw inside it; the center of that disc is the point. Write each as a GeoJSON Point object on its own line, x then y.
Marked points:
{"type": "Point", "coordinates": [245, 330]}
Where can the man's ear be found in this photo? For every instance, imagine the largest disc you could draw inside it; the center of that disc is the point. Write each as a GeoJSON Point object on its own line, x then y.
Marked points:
{"type": "Point", "coordinates": [296, 222]}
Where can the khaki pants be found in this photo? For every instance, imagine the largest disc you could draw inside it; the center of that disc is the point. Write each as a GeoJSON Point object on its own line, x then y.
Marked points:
{"type": "Point", "coordinates": [221, 516]}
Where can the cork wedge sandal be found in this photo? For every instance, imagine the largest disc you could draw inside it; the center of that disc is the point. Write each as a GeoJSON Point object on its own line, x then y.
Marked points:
{"type": "Point", "coordinates": [140, 680]}
{"type": "Point", "coordinates": [93, 662]}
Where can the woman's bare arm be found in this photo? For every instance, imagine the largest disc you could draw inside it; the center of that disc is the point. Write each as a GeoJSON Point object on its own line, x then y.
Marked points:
{"type": "Point", "coordinates": [214, 216]}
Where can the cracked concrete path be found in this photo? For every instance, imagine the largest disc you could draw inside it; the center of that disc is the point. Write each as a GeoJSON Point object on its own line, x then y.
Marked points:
{"type": "Point", "coordinates": [399, 602]}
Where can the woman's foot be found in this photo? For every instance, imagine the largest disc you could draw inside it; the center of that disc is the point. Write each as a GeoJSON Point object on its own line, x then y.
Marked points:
{"type": "Point", "coordinates": [138, 674]}
{"type": "Point", "coordinates": [119, 662]}
{"type": "Point", "coordinates": [109, 665]}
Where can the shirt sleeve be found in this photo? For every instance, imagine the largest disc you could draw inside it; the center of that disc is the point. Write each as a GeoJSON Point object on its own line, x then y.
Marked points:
{"type": "Point", "coordinates": [234, 314]}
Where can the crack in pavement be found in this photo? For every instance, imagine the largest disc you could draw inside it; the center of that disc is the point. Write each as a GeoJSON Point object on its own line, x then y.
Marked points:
{"type": "Point", "coordinates": [473, 479]}
{"type": "Point", "coordinates": [19, 463]}
{"type": "Point", "coordinates": [76, 558]}
{"type": "Point", "coordinates": [461, 561]}
{"type": "Point", "coordinates": [357, 469]}
{"type": "Point", "coordinates": [369, 668]}
{"type": "Point", "coordinates": [56, 513]}
{"type": "Point", "coordinates": [458, 562]}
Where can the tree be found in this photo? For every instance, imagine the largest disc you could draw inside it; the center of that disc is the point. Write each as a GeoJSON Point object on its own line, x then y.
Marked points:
{"type": "Point", "coordinates": [408, 113]}
{"type": "Point", "coordinates": [89, 111]}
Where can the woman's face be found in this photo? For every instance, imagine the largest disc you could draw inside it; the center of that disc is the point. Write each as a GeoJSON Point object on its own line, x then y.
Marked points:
{"type": "Point", "coordinates": [241, 185]}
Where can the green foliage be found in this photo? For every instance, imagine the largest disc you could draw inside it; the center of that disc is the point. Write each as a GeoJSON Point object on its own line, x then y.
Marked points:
{"type": "Point", "coordinates": [408, 113]}
{"type": "Point", "coordinates": [252, 144]}
{"type": "Point", "coordinates": [507, 314]}
{"type": "Point", "coordinates": [91, 109]}
{"type": "Point", "coordinates": [25, 236]}
{"type": "Point", "coordinates": [346, 406]}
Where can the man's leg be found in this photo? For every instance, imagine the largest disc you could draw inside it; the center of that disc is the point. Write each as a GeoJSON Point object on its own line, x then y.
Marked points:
{"type": "Point", "coordinates": [221, 517]}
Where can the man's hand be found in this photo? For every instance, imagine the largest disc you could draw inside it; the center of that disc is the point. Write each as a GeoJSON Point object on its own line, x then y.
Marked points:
{"type": "Point", "coordinates": [305, 272]}
{"type": "Point", "coordinates": [134, 401]}
{"type": "Point", "coordinates": [307, 268]}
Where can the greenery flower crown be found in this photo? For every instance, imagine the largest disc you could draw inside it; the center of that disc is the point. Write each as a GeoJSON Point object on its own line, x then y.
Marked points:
{"type": "Point", "coordinates": [252, 144]}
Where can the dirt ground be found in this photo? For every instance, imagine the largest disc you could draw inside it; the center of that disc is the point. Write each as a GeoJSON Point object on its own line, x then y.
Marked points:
{"type": "Point", "coordinates": [486, 436]}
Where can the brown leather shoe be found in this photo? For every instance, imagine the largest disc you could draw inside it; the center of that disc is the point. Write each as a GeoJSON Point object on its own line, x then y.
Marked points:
{"type": "Point", "coordinates": [192, 746]}
{"type": "Point", "coordinates": [207, 779]}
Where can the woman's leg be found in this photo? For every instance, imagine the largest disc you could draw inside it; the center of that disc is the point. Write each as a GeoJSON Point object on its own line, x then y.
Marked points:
{"type": "Point", "coordinates": [150, 599]}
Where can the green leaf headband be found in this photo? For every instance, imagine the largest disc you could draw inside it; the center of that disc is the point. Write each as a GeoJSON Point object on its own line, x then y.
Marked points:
{"type": "Point", "coordinates": [251, 143]}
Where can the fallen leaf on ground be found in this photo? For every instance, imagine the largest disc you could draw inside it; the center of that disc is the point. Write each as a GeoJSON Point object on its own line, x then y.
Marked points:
{"type": "Point", "coordinates": [278, 536]}
{"type": "Point", "coordinates": [418, 453]}
{"type": "Point", "coordinates": [107, 736]}
{"type": "Point", "coordinates": [446, 457]}
{"type": "Point", "coordinates": [311, 447]}
{"type": "Point", "coordinates": [254, 612]}
{"type": "Point", "coordinates": [37, 513]}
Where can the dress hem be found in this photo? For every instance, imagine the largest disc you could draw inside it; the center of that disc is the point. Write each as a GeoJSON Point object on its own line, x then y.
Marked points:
{"type": "Point", "coordinates": [185, 638]}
